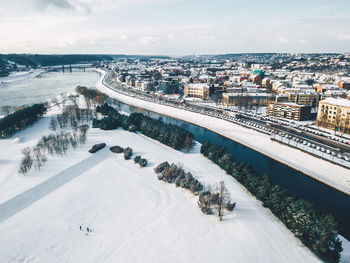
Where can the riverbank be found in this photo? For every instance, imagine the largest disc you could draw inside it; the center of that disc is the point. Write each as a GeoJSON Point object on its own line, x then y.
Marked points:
{"type": "Point", "coordinates": [323, 171]}
{"type": "Point", "coordinates": [21, 75]}
{"type": "Point", "coordinates": [125, 205]}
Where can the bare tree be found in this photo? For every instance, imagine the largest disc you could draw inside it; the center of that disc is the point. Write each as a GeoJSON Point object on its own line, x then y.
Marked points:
{"type": "Point", "coordinates": [187, 142]}
{"type": "Point", "coordinates": [223, 199]}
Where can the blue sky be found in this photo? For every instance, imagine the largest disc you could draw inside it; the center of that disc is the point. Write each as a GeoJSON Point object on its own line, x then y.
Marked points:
{"type": "Point", "coordinates": [174, 27]}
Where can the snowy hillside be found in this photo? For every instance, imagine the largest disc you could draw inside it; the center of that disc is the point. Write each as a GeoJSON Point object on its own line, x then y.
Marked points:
{"type": "Point", "coordinates": [134, 217]}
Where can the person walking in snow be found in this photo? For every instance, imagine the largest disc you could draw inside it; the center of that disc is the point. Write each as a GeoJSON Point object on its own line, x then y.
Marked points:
{"type": "Point", "coordinates": [80, 228]}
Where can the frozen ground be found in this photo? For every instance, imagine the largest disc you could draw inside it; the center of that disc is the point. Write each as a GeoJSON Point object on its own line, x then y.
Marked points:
{"type": "Point", "coordinates": [322, 170]}
{"type": "Point", "coordinates": [134, 217]}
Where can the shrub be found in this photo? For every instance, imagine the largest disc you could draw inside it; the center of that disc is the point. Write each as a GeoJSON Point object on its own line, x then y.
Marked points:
{"type": "Point", "coordinates": [143, 162]}
{"type": "Point", "coordinates": [97, 147]}
{"type": "Point", "coordinates": [116, 149]}
{"type": "Point", "coordinates": [127, 153]}
{"type": "Point", "coordinates": [137, 158]}
{"type": "Point", "coordinates": [161, 167]}
{"type": "Point", "coordinates": [230, 206]}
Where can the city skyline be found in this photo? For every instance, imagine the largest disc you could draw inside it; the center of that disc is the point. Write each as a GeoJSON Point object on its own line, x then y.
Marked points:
{"type": "Point", "coordinates": [174, 27]}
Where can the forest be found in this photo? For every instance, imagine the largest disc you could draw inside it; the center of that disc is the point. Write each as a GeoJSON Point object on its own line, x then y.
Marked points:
{"type": "Point", "coordinates": [315, 229]}
{"type": "Point", "coordinates": [21, 119]}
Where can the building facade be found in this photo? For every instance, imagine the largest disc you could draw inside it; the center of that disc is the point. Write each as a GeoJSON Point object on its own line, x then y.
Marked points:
{"type": "Point", "coordinates": [334, 114]}
{"type": "Point", "coordinates": [197, 90]}
{"type": "Point", "coordinates": [289, 110]}
{"type": "Point", "coordinates": [246, 99]}
{"type": "Point", "coordinates": [304, 98]}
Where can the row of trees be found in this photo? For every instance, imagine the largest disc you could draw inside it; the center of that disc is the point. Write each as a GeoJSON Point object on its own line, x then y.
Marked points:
{"type": "Point", "coordinates": [315, 229]}
{"type": "Point", "coordinates": [219, 200]}
{"type": "Point", "coordinates": [168, 134]}
{"type": "Point", "coordinates": [21, 119]}
{"type": "Point", "coordinates": [53, 144]}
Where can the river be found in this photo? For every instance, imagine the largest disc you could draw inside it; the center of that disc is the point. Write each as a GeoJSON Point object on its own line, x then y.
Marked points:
{"type": "Point", "coordinates": [43, 87]}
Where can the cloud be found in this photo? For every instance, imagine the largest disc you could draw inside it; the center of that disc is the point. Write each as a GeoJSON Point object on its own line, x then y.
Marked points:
{"type": "Point", "coordinates": [45, 4]}
{"type": "Point", "coordinates": [344, 36]}
{"type": "Point", "coordinates": [283, 40]}
{"type": "Point", "coordinates": [104, 5]}
{"type": "Point", "coordinates": [148, 39]}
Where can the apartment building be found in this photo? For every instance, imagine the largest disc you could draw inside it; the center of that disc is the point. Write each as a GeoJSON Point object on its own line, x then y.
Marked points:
{"type": "Point", "coordinates": [289, 110]}
{"type": "Point", "coordinates": [197, 90]}
{"type": "Point", "coordinates": [334, 113]}
{"type": "Point", "coordinates": [308, 99]}
{"type": "Point", "coordinates": [246, 99]}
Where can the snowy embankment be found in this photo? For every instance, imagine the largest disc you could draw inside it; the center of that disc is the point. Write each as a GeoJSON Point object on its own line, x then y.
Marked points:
{"type": "Point", "coordinates": [22, 75]}
{"type": "Point", "coordinates": [134, 217]}
{"type": "Point", "coordinates": [326, 172]}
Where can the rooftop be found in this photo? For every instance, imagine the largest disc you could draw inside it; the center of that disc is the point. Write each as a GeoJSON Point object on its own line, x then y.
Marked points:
{"type": "Point", "coordinates": [337, 102]}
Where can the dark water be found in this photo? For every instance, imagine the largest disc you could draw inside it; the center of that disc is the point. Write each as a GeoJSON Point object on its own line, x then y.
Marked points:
{"type": "Point", "coordinates": [324, 197]}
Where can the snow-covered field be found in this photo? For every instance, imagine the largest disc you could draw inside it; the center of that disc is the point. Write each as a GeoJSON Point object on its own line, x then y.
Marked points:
{"type": "Point", "coordinates": [324, 171]}
{"type": "Point", "coordinates": [134, 217]}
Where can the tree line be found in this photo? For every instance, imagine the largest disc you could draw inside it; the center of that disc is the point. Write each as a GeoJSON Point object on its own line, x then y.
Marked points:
{"type": "Point", "coordinates": [21, 119]}
{"type": "Point", "coordinates": [315, 229]}
{"type": "Point", "coordinates": [209, 201]}
{"type": "Point", "coordinates": [168, 134]}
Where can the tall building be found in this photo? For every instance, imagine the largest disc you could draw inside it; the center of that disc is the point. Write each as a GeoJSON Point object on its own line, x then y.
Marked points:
{"type": "Point", "coordinates": [334, 114]}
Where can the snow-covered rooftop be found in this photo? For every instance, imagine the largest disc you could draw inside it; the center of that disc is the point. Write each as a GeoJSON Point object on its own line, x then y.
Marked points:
{"type": "Point", "coordinates": [337, 102]}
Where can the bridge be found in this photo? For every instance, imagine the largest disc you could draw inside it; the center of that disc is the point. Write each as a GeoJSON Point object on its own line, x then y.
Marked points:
{"type": "Point", "coordinates": [68, 67]}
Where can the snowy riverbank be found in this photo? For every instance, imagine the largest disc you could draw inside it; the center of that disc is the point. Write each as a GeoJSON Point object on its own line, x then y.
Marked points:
{"type": "Point", "coordinates": [326, 172]}
{"type": "Point", "coordinates": [127, 207]}
{"type": "Point", "coordinates": [21, 75]}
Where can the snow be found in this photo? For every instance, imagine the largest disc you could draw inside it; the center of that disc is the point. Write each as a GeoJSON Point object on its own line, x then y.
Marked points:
{"type": "Point", "coordinates": [21, 75]}
{"type": "Point", "coordinates": [134, 216]}
{"type": "Point", "coordinates": [322, 170]}
{"type": "Point", "coordinates": [337, 102]}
